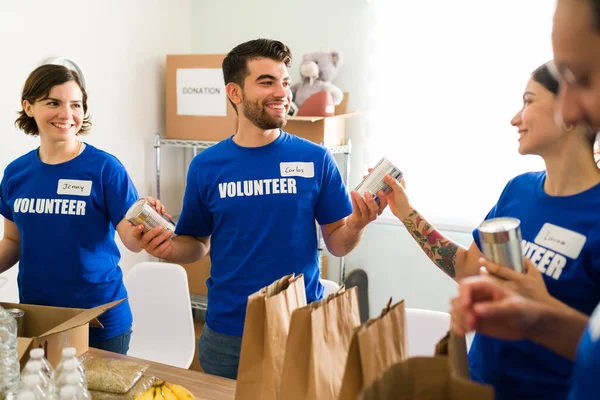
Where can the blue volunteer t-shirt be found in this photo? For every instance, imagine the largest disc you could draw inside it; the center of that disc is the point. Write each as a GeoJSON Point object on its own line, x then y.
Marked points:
{"type": "Point", "coordinates": [586, 372]}
{"type": "Point", "coordinates": [66, 215]}
{"type": "Point", "coordinates": [259, 206]}
{"type": "Point", "coordinates": [561, 236]}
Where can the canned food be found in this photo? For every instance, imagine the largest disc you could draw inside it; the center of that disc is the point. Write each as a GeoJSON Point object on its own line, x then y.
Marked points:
{"type": "Point", "coordinates": [19, 315]}
{"type": "Point", "coordinates": [142, 212]}
{"type": "Point", "coordinates": [373, 182]}
{"type": "Point", "coordinates": [501, 242]}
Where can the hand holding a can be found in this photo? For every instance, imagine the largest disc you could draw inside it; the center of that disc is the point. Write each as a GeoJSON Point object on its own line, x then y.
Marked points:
{"type": "Point", "coordinates": [152, 226]}
{"type": "Point", "coordinates": [364, 210]}
{"type": "Point", "coordinates": [397, 198]}
{"type": "Point", "coordinates": [158, 206]}
{"type": "Point", "coordinates": [157, 241]}
{"type": "Point", "coordinates": [529, 283]}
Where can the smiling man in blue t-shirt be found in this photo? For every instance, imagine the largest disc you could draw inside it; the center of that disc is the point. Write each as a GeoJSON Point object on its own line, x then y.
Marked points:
{"type": "Point", "coordinates": [254, 199]}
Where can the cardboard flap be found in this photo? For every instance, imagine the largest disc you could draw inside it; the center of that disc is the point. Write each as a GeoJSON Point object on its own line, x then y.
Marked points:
{"type": "Point", "coordinates": [23, 345]}
{"type": "Point", "coordinates": [306, 119]}
{"type": "Point", "coordinates": [96, 324]}
{"type": "Point", "coordinates": [83, 318]}
{"type": "Point", "coordinates": [318, 118]}
{"type": "Point", "coordinates": [39, 319]}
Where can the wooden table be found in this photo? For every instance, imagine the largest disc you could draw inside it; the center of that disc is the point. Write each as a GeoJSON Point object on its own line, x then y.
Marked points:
{"type": "Point", "coordinates": [203, 386]}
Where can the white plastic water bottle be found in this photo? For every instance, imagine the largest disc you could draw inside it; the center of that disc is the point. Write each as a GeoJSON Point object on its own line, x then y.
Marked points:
{"type": "Point", "coordinates": [38, 355]}
{"type": "Point", "coordinates": [9, 357]}
{"type": "Point", "coordinates": [68, 368]}
{"type": "Point", "coordinates": [68, 358]}
{"type": "Point", "coordinates": [70, 392]}
{"type": "Point", "coordinates": [73, 379]}
{"type": "Point", "coordinates": [33, 383]}
{"type": "Point", "coordinates": [34, 367]}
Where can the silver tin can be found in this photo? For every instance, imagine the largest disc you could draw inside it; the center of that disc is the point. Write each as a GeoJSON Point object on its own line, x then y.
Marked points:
{"type": "Point", "coordinates": [142, 212]}
{"type": "Point", "coordinates": [19, 315]}
{"type": "Point", "coordinates": [373, 182]}
{"type": "Point", "coordinates": [501, 242]}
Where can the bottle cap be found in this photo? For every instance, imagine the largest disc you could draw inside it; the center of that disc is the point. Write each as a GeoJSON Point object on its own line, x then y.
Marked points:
{"type": "Point", "coordinates": [36, 353]}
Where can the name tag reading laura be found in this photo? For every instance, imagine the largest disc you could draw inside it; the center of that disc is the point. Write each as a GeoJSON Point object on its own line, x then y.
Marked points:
{"type": "Point", "coordinates": [74, 187]}
{"type": "Point", "coordinates": [561, 240]}
{"type": "Point", "coordinates": [302, 169]}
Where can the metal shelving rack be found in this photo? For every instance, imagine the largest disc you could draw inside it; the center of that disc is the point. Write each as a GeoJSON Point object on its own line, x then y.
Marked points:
{"type": "Point", "coordinates": [199, 302]}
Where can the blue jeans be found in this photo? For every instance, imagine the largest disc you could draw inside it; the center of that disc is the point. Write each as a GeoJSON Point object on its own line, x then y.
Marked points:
{"type": "Point", "coordinates": [219, 354]}
{"type": "Point", "coordinates": [119, 344]}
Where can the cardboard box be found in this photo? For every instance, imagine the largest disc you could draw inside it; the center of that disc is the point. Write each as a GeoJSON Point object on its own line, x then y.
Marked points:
{"type": "Point", "coordinates": [197, 274]}
{"type": "Point", "coordinates": [184, 122]}
{"type": "Point", "coordinates": [328, 130]}
{"type": "Point", "coordinates": [54, 328]}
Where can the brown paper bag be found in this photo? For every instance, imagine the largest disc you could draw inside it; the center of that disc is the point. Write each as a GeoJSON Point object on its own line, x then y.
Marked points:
{"type": "Point", "coordinates": [375, 347]}
{"type": "Point", "coordinates": [266, 327]}
{"type": "Point", "coordinates": [317, 347]}
{"type": "Point", "coordinates": [429, 378]}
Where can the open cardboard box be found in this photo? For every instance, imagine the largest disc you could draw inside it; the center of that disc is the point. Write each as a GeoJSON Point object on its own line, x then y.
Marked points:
{"type": "Point", "coordinates": [328, 130]}
{"type": "Point", "coordinates": [54, 328]}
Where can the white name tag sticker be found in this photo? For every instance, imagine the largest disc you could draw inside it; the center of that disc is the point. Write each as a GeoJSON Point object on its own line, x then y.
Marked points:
{"type": "Point", "coordinates": [302, 169]}
{"type": "Point", "coordinates": [74, 187]}
{"type": "Point", "coordinates": [561, 240]}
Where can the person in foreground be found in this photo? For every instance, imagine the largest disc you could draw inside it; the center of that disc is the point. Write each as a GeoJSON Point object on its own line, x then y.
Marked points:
{"type": "Point", "coordinates": [495, 310]}
{"type": "Point", "coordinates": [561, 240]}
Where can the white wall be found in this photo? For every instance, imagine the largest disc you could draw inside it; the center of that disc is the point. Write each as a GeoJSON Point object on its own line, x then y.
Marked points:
{"type": "Point", "coordinates": [394, 262]}
{"type": "Point", "coordinates": [121, 46]}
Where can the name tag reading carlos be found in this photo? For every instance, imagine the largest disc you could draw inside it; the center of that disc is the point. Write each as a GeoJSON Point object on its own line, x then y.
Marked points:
{"type": "Point", "coordinates": [74, 187]}
{"type": "Point", "coordinates": [301, 169]}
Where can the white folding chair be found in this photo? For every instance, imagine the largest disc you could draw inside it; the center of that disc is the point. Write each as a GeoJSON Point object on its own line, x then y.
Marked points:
{"type": "Point", "coordinates": [163, 325]}
{"type": "Point", "coordinates": [425, 329]}
{"type": "Point", "coordinates": [329, 287]}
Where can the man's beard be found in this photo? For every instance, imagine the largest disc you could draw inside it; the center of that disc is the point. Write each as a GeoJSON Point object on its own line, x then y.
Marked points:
{"type": "Point", "coordinates": [256, 113]}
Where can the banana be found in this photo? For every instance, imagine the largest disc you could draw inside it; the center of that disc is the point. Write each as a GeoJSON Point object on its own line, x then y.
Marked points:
{"type": "Point", "coordinates": [158, 393]}
{"type": "Point", "coordinates": [179, 391]}
{"type": "Point", "coordinates": [161, 390]}
{"type": "Point", "coordinates": [169, 395]}
{"type": "Point", "coordinates": [147, 395]}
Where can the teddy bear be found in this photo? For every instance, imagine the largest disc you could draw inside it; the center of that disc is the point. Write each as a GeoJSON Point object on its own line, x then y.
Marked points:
{"type": "Point", "coordinates": [318, 69]}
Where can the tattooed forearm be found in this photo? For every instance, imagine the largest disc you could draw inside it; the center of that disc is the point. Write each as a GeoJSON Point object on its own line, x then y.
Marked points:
{"type": "Point", "coordinates": [438, 248]}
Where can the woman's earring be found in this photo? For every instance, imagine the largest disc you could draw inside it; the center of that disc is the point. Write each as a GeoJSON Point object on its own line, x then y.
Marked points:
{"type": "Point", "coordinates": [568, 128]}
